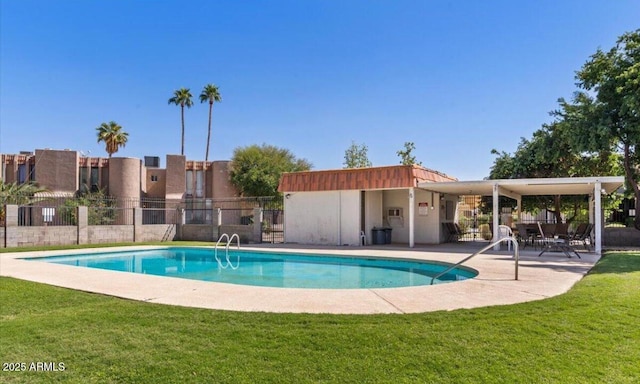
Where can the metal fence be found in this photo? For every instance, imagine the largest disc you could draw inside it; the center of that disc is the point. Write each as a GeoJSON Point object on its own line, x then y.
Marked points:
{"type": "Point", "coordinates": [475, 223]}
{"type": "Point", "coordinates": [239, 211]}
{"type": "Point", "coordinates": [52, 210]}
{"type": "Point", "coordinates": [56, 210]}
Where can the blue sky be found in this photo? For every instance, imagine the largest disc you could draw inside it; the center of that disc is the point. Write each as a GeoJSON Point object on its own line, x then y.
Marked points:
{"type": "Point", "coordinates": [457, 78]}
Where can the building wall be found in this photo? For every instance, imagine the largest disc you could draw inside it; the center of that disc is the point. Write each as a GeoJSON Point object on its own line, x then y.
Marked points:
{"type": "Point", "coordinates": [397, 199]}
{"type": "Point", "coordinates": [426, 227]}
{"type": "Point", "coordinates": [156, 182]}
{"type": "Point", "coordinates": [176, 183]}
{"type": "Point", "coordinates": [220, 186]}
{"type": "Point", "coordinates": [57, 170]}
{"type": "Point", "coordinates": [60, 171]}
{"type": "Point", "coordinates": [329, 218]}
{"type": "Point", "coordinates": [124, 177]}
{"type": "Point", "coordinates": [373, 213]}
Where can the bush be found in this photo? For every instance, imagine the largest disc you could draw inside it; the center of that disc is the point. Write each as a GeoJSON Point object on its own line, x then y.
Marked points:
{"type": "Point", "coordinates": [485, 231]}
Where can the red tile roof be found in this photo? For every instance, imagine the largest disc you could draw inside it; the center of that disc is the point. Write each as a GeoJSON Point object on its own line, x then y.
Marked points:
{"type": "Point", "coordinates": [395, 176]}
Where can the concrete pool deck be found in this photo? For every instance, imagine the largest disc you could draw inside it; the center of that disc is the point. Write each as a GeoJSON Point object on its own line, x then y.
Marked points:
{"type": "Point", "coordinates": [539, 278]}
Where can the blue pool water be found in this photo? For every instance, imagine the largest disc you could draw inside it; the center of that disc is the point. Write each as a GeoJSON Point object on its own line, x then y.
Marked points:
{"type": "Point", "coordinates": [269, 269]}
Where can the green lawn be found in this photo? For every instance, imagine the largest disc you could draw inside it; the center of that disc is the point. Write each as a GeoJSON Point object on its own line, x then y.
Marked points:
{"type": "Point", "coordinates": [589, 335]}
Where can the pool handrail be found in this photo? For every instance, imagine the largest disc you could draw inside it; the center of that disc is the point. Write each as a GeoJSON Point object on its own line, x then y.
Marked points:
{"type": "Point", "coordinates": [229, 242]}
{"type": "Point", "coordinates": [237, 247]}
{"type": "Point", "coordinates": [516, 256]}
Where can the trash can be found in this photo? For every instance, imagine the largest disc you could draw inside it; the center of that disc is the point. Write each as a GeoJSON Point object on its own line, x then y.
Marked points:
{"type": "Point", "coordinates": [378, 236]}
{"type": "Point", "coordinates": [387, 235]}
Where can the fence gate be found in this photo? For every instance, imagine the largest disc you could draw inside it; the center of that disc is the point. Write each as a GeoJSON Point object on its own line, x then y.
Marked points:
{"type": "Point", "coordinates": [272, 220]}
{"type": "Point", "coordinates": [473, 223]}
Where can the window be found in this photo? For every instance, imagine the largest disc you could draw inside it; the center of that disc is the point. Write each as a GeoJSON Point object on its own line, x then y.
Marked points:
{"type": "Point", "coordinates": [154, 177]}
{"type": "Point", "coordinates": [394, 212]}
{"type": "Point", "coordinates": [22, 173]}
{"type": "Point", "coordinates": [83, 179]}
{"type": "Point", "coordinates": [95, 173]}
{"type": "Point", "coordinates": [199, 184]}
{"type": "Point", "coordinates": [189, 190]}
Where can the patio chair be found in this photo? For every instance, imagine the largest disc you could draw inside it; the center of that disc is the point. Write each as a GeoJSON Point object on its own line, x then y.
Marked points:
{"type": "Point", "coordinates": [504, 231]}
{"type": "Point", "coordinates": [453, 232]}
{"type": "Point", "coordinates": [525, 235]}
{"type": "Point", "coordinates": [582, 234]}
{"type": "Point", "coordinates": [556, 244]}
{"type": "Point", "coordinates": [562, 230]}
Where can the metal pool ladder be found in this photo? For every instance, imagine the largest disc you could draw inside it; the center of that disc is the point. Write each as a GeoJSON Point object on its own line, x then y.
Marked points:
{"type": "Point", "coordinates": [226, 248]}
{"type": "Point", "coordinates": [516, 256]}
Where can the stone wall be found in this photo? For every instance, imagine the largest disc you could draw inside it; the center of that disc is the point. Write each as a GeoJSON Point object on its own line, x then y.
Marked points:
{"type": "Point", "coordinates": [26, 236]}
{"type": "Point", "coordinates": [621, 237]}
{"type": "Point", "coordinates": [246, 233]}
{"type": "Point", "coordinates": [99, 234]}
{"type": "Point", "coordinates": [156, 232]}
{"type": "Point", "coordinates": [198, 232]}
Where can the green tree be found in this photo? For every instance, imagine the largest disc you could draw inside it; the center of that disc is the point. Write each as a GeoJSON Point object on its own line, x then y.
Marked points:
{"type": "Point", "coordinates": [255, 170]}
{"type": "Point", "coordinates": [113, 136]}
{"type": "Point", "coordinates": [356, 156]}
{"type": "Point", "coordinates": [549, 154]}
{"type": "Point", "coordinates": [406, 155]}
{"type": "Point", "coordinates": [605, 114]}
{"type": "Point", "coordinates": [182, 97]}
{"type": "Point", "coordinates": [211, 94]}
{"type": "Point", "coordinates": [101, 209]}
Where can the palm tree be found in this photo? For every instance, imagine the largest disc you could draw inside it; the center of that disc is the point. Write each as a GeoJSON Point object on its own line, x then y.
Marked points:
{"type": "Point", "coordinates": [210, 93]}
{"type": "Point", "coordinates": [182, 97]}
{"type": "Point", "coordinates": [113, 136]}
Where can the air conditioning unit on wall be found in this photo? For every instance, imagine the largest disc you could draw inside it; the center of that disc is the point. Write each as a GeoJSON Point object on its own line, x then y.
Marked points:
{"type": "Point", "coordinates": [395, 218]}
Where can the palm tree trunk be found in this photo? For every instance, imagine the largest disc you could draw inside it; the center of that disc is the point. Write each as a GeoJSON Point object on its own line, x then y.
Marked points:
{"type": "Point", "coordinates": [206, 154]}
{"type": "Point", "coordinates": [182, 115]}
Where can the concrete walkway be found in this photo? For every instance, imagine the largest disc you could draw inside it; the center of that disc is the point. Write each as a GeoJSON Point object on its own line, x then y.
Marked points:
{"type": "Point", "coordinates": [539, 278]}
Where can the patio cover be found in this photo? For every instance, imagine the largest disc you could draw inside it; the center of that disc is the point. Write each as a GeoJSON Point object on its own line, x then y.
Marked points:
{"type": "Point", "coordinates": [516, 188]}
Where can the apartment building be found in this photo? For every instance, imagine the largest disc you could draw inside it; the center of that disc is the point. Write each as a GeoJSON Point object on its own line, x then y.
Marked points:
{"type": "Point", "coordinates": [64, 172]}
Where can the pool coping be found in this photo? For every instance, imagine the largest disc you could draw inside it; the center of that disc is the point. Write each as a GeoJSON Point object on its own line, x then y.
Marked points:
{"type": "Point", "coordinates": [539, 278]}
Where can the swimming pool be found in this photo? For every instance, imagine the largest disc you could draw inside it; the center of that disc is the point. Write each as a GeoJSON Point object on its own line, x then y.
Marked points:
{"type": "Point", "coordinates": [269, 269]}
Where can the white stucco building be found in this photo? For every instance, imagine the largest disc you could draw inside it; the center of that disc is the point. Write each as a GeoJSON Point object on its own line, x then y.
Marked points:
{"type": "Point", "coordinates": [340, 207]}
{"type": "Point", "coordinates": [336, 207]}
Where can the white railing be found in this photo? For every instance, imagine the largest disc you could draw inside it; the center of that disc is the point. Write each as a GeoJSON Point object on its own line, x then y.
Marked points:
{"type": "Point", "coordinates": [516, 256]}
{"type": "Point", "coordinates": [228, 243]}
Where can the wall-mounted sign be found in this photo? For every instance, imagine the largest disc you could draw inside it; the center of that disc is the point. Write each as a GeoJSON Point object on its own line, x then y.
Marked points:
{"type": "Point", "coordinates": [423, 209]}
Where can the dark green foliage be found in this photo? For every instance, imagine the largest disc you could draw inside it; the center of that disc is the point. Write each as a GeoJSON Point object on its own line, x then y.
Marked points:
{"type": "Point", "coordinates": [255, 170]}
{"type": "Point", "coordinates": [596, 133]}
{"type": "Point", "coordinates": [604, 116]}
{"type": "Point", "coordinates": [101, 208]}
